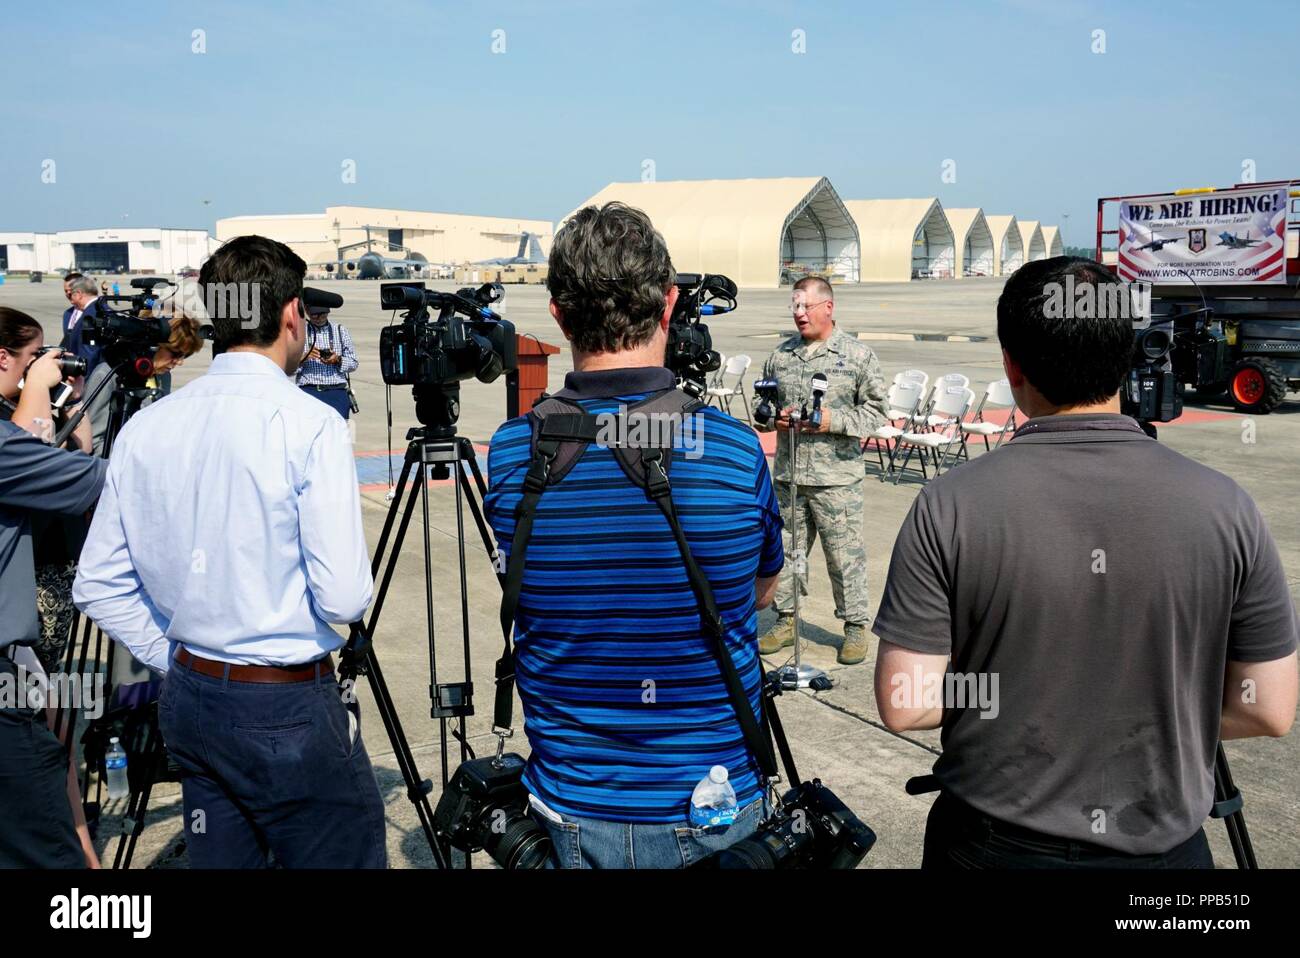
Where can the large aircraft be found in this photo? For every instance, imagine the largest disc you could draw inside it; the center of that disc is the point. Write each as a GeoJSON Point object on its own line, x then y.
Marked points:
{"type": "Point", "coordinates": [1233, 241]}
{"type": "Point", "coordinates": [527, 241]}
{"type": "Point", "coordinates": [372, 265]}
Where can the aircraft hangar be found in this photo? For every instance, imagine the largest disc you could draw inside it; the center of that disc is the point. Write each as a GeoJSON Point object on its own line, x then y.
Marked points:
{"type": "Point", "coordinates": [1008, 248]}
{"type": "Point", "coordinates": [1031, 238]}
{"type": "Point", "coordinates": [903, 239]}
{"type": "Point", "coordinates": [972, 241]}
{"type": "Point", "coordinates": [761, 233]}
{"type": "Point", "coordinates": [431, 243]}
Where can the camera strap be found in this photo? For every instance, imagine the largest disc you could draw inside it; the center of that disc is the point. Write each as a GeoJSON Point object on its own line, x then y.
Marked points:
{"type": "Point", "coordinates": [562, 431]}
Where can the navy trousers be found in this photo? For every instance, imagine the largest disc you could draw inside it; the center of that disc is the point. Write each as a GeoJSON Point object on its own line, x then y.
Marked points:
{"type": "Point", "coordinates": [335, 397]}
{"type": "Point", "coordinates": [271, 774]}
{"type": "Point", "coordinates": [36, 828]}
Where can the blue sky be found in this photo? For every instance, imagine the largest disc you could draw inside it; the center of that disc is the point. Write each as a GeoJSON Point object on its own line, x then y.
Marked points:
{"type": "Point", "coordinates": [143, 130]}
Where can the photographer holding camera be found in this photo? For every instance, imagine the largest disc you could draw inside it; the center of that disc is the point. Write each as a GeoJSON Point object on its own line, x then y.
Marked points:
{"type": "Point", "coordinates": [38, 483]}
{"type": "Point", "coordinates": [626, 707]}
{"type": "Point", "coordinates": [330, 359]}
{"type": "Point", "coordinates": [1125, 606]}
{"type": "Point", "coordinates": [237, 616]}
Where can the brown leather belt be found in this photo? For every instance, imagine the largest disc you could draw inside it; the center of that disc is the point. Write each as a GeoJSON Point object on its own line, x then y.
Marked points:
{"type": "Point", "coordinates": [266, 674]}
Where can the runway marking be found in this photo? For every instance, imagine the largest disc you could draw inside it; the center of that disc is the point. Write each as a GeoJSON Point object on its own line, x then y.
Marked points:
{"type": "Point", "coordinates": [887, 337]}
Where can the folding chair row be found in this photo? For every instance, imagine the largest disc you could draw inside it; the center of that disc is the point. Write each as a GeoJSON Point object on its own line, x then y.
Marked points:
{"type": "Point", "coordinates": [729, 383]}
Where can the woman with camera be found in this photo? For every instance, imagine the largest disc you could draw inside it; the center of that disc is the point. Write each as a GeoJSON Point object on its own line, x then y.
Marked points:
{"type": "Point", "coordinates": [44, 495]}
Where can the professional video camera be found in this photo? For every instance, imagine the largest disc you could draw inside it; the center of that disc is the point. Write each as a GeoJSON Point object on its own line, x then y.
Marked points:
{"type": "Point", "coordinates": [690, 354]}
{"type": "Point", "coordinates": [128, 335]}
{"type": "Point", "coordinates": [435, 354]}
{"type": "Point", "coordinates": [485, 808]}
{"type": "Point", "coordinates": [813, 829]}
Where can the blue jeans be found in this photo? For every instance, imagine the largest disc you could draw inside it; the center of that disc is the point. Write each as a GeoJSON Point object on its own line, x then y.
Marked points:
{"type": "Point", "coordinates": [271, 770]}
{"type": "Point", "coordinates": [592, 843]}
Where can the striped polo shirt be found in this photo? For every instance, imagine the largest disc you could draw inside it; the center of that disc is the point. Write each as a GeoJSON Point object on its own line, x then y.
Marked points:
{"type": "Point", "coordinates": [624, 703]}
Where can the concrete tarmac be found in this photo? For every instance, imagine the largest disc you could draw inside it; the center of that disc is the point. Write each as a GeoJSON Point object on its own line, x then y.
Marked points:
{"type": "Point", "coordinates": [836, 735]}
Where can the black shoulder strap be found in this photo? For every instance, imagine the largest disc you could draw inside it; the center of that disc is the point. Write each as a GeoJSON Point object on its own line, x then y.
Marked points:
{"type": "Point", "coordinates": [561, 432]}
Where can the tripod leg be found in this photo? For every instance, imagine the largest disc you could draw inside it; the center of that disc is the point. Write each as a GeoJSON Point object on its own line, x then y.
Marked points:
{"type": "Point", "coordinates": [1224, 788]}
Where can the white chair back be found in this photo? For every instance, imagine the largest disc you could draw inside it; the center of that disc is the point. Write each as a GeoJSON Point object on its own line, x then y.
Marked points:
{"type": "Point", "coordinates": [952, 379]}
{"type": "Point", "coordinates": [999, 393]}
{"type": "Point", "coordinates": [953, 402]}
{"type": "Point", "coordinates": [915, 375]}
{"type": "Point", "coordinates": [905, 396]}
{"type": "Point", "coordinates": [737, 365]}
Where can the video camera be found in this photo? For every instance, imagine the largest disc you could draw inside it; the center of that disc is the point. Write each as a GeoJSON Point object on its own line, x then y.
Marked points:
{"type": "Point", "coordinates": [435, 354]}
{"type": "Point", "coordinates": [690, 354]}
{"type": "Point", "coordinates": [128, 335]}
{"type": "Point", "coordinates": [1181, 347]}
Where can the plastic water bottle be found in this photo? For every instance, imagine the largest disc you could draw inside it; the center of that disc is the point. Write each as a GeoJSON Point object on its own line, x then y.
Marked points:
{"type": "Point", "coordinates": [713, 803]}
{"type": "Point", "coordinates": [115, 765]}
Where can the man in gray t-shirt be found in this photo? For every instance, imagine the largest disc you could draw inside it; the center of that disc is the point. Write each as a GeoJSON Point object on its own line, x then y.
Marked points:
{"type": "Point", "coordinates": [1097, 609]}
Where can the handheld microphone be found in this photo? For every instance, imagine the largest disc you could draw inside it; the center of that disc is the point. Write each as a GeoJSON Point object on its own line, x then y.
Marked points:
{"type": "Point", "coordinates": [819, 384]}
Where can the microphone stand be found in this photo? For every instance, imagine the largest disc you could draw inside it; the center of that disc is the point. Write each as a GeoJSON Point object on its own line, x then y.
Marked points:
{"type": "Point", "coordinates": [798, 674]}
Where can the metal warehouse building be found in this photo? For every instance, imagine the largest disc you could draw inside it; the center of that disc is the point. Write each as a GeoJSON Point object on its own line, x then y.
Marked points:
{"type": "Point", "coordinates": [759, 232]}
{"type": "Point", "coordinates": [1008, 248]}
{"type": "Point", "coordinates": [972, 241]}
{"type": "Point", "coordinates": [448, 239]}
{"type": "Point", "coordinates": [1031, 238]}
{"type": "Point", "coordinates": [136, 250]}
{"type": "Point", "coordinates": [903, 239]}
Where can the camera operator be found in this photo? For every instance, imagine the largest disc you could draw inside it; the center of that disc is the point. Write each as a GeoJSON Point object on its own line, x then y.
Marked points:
{"type": "Point", "coordinates": [183, 343]}
{"type": "Point", "coordinates": [626, 708]}
{"type": "Point", "coordinates": [236, 615]}
{"type": "Point", "coordinates": [1126, 607]}
{"type": "Point", "coordinates": [330, 359]}
{"type": "Point", "coordinates": [82, 293]}
{"type": "Point", "coordinates": [830, 471]}
{"type": "Point", "coordinates": [38, 828]}
{"type": "Point", "coordinates": [26, 379]}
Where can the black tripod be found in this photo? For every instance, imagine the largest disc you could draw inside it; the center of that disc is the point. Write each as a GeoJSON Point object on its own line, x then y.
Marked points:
{"type": "Point", "coordinates": [142, 739]}
{"type": "Point", "coordinates": [433, 452]}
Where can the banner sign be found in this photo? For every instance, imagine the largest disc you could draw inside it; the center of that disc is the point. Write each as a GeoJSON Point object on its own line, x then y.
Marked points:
{"type": "Point", "coordinates": [1236, 236]}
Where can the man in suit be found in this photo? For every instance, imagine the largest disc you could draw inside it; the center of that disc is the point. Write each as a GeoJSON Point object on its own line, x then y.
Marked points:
{"type": "Point", "coordinates": [81, 292]}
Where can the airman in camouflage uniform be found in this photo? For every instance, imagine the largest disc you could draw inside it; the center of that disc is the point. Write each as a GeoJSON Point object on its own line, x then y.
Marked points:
{"type": "Point", "coordinates": [830, 469]}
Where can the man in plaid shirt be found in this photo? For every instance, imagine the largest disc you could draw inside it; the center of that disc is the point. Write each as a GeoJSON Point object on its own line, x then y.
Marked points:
{"type": "Point", "coordinates": [330, 358]}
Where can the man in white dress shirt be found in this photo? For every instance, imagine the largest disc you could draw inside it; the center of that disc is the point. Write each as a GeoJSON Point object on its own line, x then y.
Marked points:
{"type": "Point", "coordinates": [254, 482]}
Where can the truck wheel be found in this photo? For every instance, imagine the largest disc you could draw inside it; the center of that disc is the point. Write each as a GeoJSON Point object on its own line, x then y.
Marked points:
{"type": "Point", "coordinates": [1257, 386]}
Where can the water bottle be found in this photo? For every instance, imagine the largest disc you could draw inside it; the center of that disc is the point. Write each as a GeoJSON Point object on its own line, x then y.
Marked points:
{"type": "Point", "coordinates": [115, 765]}
{"type": "Point", "coordinates": [713, 803]}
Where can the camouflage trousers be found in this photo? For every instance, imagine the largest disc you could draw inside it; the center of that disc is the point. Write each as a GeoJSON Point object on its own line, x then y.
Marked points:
{"type": "Point", "coordinates": [834, 513]}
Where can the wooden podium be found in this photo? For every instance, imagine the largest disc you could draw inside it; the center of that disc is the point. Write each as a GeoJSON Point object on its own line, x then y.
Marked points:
{"type": "Point", "coordinates": [528, 382]}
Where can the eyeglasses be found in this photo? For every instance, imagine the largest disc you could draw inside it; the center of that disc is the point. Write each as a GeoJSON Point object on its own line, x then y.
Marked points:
{"type": "Point", "coordinates": [806, 307]}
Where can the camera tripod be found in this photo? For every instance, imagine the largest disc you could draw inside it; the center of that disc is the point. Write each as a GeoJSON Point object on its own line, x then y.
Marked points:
{"type": "Point", "coordinates": [433, 452]}
{"type": "Point", "coordinates": [141, 737]}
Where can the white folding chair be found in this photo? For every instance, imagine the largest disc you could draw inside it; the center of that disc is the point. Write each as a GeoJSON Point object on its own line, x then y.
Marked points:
{"type": "Point", "coordinates": [904, 402]}
{"type": "Point", "coordinates": [950, 407]}
{"type": "Point", "coordinates": [716, 378]}
{"type": "Point", "coordinates": [915, 375]}
{"type": "Point", "coordinates": [731, 383]}
{"type": "Point", "coordinates": [996, 394]}
{"type": "Point", "coordinates": [935, 419]}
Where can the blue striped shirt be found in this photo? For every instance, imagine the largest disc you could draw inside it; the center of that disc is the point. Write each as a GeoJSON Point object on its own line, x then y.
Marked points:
{"type": "Point", "coordinates": [333, 336]}
{"type": "Point", "coordinates": [623, 699]}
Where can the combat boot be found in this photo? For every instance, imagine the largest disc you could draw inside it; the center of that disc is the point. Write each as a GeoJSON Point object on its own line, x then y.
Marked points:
{"type": "Point", "coordinates": [778, 637]}
{"type": "Point", "coordinates": [854, 648]}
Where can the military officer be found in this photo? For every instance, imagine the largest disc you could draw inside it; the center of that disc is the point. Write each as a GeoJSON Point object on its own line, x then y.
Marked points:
{"type": "Point", "coordinates": [830, 470]}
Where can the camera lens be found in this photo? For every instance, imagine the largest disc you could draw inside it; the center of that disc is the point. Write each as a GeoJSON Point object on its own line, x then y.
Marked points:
{"type": "Point", "coordinates": [773, 846]}
{"type": "Point", "coordinates": [516, 841]}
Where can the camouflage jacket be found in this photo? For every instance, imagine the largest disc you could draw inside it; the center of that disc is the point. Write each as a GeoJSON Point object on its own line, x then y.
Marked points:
{"type": "Point", "coordinates": [855, 396]}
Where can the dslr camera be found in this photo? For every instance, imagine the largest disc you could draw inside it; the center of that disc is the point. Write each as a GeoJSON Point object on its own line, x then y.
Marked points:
{"type": "Point", "coordinates": [485, 808]}
{"type": "Point", "coordinates": [434, 353]}
{"type": "Point", "coordinates": [690, 353]}
{"type": "Point", "coordinates": [813, 829]}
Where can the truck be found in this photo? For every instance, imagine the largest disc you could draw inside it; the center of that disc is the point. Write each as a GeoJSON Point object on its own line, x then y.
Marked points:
{"type": "Point", "coordinates": [1223, 266]}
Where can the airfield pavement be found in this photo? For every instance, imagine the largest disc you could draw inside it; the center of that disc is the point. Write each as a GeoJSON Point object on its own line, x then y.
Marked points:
{"type": "Point", "coordinates": [836, 735]}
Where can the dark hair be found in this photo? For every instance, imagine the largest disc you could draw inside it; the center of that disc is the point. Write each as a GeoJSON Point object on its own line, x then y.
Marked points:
{"type": "Point", "coordinates": [71, 276]}
{"type": "Point", "coordinates": [17, 329]}
{"type": "Point", "coordinates": [272, 269]}
{"type": "Point", "coordinates": [609, 276]}
{"type": "Point", "coordinates": [1073, 357]}
{"type": "Point", "coordinates": [819, 283]}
